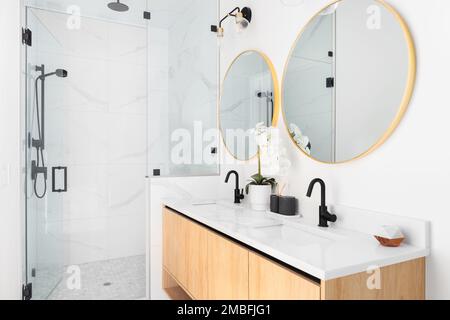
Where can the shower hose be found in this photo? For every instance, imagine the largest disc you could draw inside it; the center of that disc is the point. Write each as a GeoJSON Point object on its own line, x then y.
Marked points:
{"type": "Point", "coordinates": [39, 151]}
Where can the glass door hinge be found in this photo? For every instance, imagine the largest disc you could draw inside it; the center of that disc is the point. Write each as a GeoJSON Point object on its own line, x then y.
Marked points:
{"type": "Point", "coordinates": [27, 37]}
{"type": "Point", "coordinates": [27, 291]}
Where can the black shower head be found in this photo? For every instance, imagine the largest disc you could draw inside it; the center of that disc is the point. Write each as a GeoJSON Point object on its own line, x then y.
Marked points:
{"type": "Point", "coordinates": [118, 6]}
{"type": "Point", "coordinates": [61, 73]}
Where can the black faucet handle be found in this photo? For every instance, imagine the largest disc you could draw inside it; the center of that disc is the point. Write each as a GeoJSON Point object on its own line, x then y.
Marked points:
{"type": "Point", "coordinates": [242, 195]}
{"type": "Point", "coordinates": [325, 217]}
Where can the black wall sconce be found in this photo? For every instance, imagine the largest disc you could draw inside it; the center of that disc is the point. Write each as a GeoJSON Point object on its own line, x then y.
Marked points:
{"type": "Point", "coordinates": [242, 16]}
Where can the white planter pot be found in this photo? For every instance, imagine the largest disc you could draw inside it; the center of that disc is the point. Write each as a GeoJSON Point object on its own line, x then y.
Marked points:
{"type": "Point", "coordinates": [259, 197]}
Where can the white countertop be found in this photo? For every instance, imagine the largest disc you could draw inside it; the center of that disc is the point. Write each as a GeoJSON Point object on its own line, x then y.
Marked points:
{"type": "Point", "coordinates": [325, 253]}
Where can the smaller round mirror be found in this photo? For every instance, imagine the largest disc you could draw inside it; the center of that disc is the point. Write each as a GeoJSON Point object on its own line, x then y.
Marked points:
{"type": "Point", "coordinates": [250, 96]}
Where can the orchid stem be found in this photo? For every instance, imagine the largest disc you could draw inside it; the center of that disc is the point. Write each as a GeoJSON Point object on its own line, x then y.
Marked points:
{"type": "Point", "coordinates": [259, 160]}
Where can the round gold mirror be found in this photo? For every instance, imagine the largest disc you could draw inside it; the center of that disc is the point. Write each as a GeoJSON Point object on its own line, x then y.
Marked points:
{"type": "Point", "coordinates": [250, 95]}
{"type": "Point", "coordinates": [348, 80]}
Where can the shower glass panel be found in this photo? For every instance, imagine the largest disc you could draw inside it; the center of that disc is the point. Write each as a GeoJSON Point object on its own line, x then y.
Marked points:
{"type": "Point", "coordinates": [86, 232]}
{"type": "Point", "coordinates": [183, 87]}
{"type": "Point", "coordinates": [312, 74]}
{"type": "Point", "coordinates": [45, 256]}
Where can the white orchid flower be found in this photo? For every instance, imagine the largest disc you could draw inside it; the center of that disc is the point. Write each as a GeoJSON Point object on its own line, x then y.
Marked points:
{"type": "Point", "coordinates": [301, 140]}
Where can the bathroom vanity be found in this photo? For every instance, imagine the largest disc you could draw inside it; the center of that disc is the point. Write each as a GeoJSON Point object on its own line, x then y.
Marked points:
{"type": "Point", "coordinates": [217, 251]}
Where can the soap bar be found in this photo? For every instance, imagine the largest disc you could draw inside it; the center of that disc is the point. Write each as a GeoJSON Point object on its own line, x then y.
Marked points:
{"type": "Point", "coordinates": [390, 236]}
{"type": "Point", "coordinates": [390, 232]}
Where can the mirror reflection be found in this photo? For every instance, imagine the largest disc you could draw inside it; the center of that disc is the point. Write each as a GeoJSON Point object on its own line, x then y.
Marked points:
{"type": "Point", "coordinates": [348, 80]}
{"type": "Point", "coordinates": [249, 97]}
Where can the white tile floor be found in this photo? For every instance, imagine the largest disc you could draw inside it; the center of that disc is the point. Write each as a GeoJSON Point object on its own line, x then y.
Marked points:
{"type": "Point", "coordinates": [119, 279]}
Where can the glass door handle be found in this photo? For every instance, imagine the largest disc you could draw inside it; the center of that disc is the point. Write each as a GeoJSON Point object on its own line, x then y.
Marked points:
{"type": "Point", "coordinates": [54, 170]}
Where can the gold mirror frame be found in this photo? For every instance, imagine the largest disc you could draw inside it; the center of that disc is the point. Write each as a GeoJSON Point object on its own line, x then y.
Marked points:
{"type": "Point", "coordinates": [276, 95]}
{"type": "Point", "coordinates": [412, 63]}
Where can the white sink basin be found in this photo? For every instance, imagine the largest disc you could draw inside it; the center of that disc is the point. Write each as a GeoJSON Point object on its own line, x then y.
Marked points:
{"type": "Point", "coordinates": [236, 216]}
{"type": "Point", "coordinates": [267, 228]}
{"type": "Point", "coordinates": [291, 235]}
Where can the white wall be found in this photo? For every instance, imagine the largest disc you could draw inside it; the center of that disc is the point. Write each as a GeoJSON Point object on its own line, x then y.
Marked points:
{"type": "Point", "coordinates": [410, 174]}
{"type": "Point", "coordinates": [10, 161]}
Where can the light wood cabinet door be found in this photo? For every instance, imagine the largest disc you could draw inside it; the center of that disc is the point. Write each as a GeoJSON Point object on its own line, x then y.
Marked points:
{"type": "Point", "coordinates": [270, 281]}
{"type": "Point", "coordinates": [196, 260]}
{"type": "Point", "coordinates": [174, 246]}
{"type": "Point", "coordinates": [402, 281]}
{"type": "Point", "coordinates": [227, 269]}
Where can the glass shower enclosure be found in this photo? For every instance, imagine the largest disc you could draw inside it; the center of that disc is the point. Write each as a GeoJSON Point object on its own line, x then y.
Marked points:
{"type": "Point", "coordinates": [105, 92]}
{"type": "Point", "coordinates": [86, 149]}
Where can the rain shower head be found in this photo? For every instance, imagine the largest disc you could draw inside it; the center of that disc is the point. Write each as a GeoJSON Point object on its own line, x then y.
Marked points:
{"type": "Point", "coordinates": [118, 6]}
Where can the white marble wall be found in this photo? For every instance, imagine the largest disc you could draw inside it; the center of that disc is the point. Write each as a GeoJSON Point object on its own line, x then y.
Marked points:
{"type": "Point", "coordinates": [96, 126]}
{"type": "Point", "coordinates": [158, 99]}
{"type": "Point", "coordinates": [193, 80]}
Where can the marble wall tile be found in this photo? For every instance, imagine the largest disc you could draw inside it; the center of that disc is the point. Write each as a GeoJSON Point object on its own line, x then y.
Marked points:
{"type": "Point", "coordinates": [126, 95]}
{"type": "Point", "coordinates": [127, 139]}
{"type": "Point", "coordinates": [183, 71]}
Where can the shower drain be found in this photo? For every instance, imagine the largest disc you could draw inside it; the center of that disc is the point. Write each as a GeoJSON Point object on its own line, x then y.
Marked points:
{"type": "Point", "coordinates": [107, 284]}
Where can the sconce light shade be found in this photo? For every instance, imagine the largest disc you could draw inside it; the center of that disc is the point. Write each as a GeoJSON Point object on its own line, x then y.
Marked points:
{"type": "Point", "coordinates": [244, 18]}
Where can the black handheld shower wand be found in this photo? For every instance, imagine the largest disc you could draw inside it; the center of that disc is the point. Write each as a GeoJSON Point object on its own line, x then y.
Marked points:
{"type": "Point", "coordinates": [38, 165]}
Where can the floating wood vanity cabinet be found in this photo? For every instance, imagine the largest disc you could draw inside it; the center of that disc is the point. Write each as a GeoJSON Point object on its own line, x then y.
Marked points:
{"type": "Point", "coordinates": [199, 263]}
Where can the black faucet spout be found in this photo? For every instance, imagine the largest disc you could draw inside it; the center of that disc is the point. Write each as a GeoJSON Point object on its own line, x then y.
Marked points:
{"type": "Point", "coordinates": [236, 175]}
{"type": "Point", "coordinates": [322, 190]}
{"type": "Point", "coordinates": [238, 193]}
{"type": "Point", "coordinates": [324, 215]}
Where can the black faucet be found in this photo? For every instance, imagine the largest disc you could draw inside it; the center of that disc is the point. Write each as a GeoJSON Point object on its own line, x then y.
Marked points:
{"type": "Point", "coordinates": [324, 215]}
{"type": "Point", "coordinates": [238, 193]}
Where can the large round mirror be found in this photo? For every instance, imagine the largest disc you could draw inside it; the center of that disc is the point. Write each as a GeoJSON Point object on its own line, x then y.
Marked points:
{"type": "Point", "coordinates": [250, 96]}
{"type": "Point", "coordinates": [348, 80]}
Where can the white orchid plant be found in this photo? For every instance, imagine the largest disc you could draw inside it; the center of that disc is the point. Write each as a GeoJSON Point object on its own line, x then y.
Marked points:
{"type": "Point", "coordinates": [264, 138]}
{"type": "Point", "coordinates": [300, 139]}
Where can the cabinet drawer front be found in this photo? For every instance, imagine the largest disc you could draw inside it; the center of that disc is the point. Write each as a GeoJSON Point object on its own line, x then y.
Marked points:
{"type": "Point", "coordinates": [270, 281]}
{"type": "Point", "coordinates": [227, 269]}
{"type": "Point", "coordinates": [196, 268]}
{"type": "Point", "coordinates": [174, 245]}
